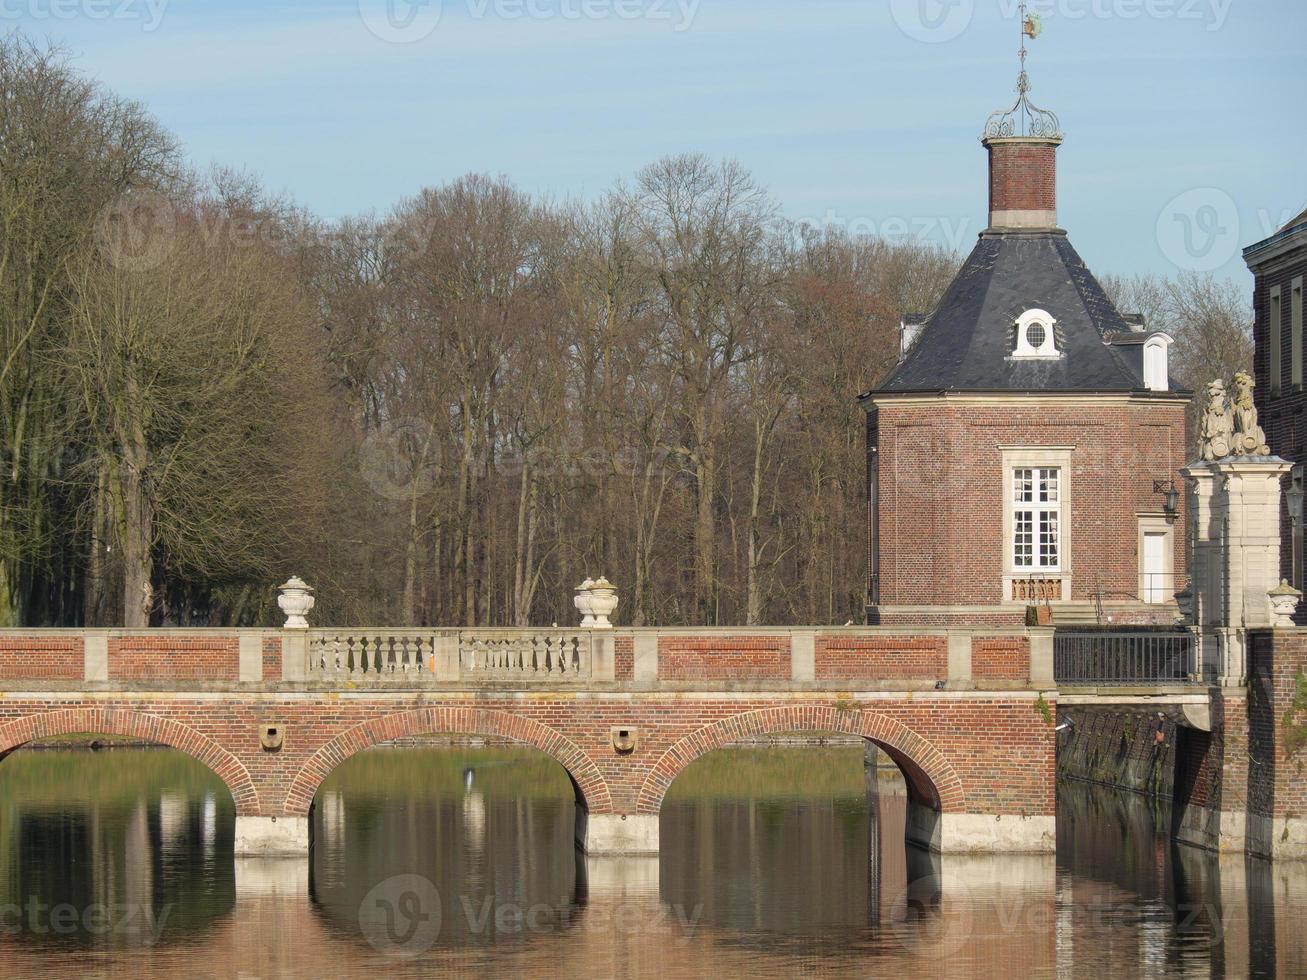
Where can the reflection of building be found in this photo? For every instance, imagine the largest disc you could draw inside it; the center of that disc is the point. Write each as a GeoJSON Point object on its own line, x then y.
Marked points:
{"type": "Point", "coordinates": [1021, 451]}
{"type": "Point", "coordinates": [1279, 265]}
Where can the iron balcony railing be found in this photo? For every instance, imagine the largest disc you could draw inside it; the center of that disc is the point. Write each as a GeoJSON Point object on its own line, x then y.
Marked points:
{"type": "Point", "coordinates": [1126, 657]}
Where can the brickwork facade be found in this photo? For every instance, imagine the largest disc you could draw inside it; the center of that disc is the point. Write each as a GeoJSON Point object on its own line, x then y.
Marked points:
{"type": "Point", "coordinates": [723, 657]}
{"type": "Point", "coordinates": [145, 657]}
{"type": "Point", "coordinates": [941, 493]}
{"type": "Point", "coordinates": [924, 657]}
{"type": "Point", "coordinates": [1280, 396]}
{"type": "Point", "coordinates": [50, 657]}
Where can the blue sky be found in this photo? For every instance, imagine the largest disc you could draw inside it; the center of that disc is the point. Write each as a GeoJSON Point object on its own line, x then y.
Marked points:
{"type": "Point", "coordinates": [1184, 118]}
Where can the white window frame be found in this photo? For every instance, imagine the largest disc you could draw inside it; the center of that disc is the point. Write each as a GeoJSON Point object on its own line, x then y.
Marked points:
{"type": "Point", "coordinates": [1017, 458]}
{"type": "Point", "coordinates": [1047, 350]}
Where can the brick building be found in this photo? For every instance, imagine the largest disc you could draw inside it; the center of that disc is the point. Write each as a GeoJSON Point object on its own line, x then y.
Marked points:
{"type": "Point", "coordinates": [1021, 451]}
{"type": "Point", "coordinates": [1279, 265]}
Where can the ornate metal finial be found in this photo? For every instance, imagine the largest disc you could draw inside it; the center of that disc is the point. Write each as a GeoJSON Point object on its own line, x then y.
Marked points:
{"type": "Point", "coordinates": [1024, 118]}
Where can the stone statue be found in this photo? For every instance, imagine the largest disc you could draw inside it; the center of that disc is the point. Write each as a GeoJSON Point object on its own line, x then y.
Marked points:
{"type": "Point", "coordinates": [1216, 431]}
{"type": "Point", "coordinates": [1249, 439]}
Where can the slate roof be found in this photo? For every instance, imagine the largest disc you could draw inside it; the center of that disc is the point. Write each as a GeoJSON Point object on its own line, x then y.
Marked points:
{"type": "Point", "coordinates": [968, 343]}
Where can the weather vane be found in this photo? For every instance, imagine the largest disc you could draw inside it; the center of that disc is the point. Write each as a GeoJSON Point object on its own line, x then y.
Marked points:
{"type": "Point", "coordinates": [1024, 118]}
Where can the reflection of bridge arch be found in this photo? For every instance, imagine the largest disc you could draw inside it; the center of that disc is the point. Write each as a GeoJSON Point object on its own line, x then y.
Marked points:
{"type": "Point", "coordinates": [592, 790]}
{"type": "Point", "coordinates": [147, 728]}
{"type": "Point", "coordinates": [931, 779]}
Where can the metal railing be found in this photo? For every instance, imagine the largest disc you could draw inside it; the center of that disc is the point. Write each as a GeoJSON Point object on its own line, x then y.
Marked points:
{"type": "Point", "coordinates": [1102, 657]}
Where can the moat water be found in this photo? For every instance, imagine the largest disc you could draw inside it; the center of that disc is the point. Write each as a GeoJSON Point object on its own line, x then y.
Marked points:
{"type": "Point", "coordinates": [431, 861]}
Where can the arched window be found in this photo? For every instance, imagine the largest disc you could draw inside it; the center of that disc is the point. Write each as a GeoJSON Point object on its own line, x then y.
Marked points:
{"type": "Point", "coordinates": [1035, 335]}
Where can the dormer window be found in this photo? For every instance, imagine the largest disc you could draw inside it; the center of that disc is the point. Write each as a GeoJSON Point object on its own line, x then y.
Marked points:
{"type": "Point", "coordinates": [1035, 335]}
{"type": "Point", "coordinates": [1157, 375]}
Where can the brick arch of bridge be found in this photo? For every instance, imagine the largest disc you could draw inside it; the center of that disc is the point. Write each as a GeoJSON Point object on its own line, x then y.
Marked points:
{"type": "Point", "coordinates": [592, 789]}
{"type": "Point", "coordinates": [930, 777]}
{"type": "Point", "coordinates": [146, 728]}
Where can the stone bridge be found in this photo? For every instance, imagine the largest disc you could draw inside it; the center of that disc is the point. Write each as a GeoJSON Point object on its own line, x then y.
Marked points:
{"type": "Point", "coordinates": [967, 715]}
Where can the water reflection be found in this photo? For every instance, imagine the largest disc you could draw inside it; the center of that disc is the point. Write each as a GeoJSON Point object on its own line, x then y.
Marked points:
{"type": "Point", "coordinates": [491, 829]}
{"type": "Point", "coordinates": [112, 849]}
{"type": "Point", "coordinates": [775, 862]}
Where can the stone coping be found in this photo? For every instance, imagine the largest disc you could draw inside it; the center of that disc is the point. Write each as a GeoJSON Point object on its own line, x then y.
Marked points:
{"type": "Point", "coordinates": [905, 629]}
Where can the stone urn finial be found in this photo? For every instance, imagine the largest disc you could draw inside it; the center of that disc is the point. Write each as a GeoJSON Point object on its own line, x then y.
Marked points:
{"type": "Point", "coordinates": [1284, 604]}
{"type": "Point", "coordinates": [603, 596]}
{"type": "Point", "coordinates": [295, 600]}
{"type": "Point", "coordinates": [584, 603]}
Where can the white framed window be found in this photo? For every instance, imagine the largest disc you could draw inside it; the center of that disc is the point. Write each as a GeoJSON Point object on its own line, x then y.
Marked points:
{"type": "Point", "coordinates": [1036, 337]}
{"type": "Point", "coordinates": [1036, 496]}
{"type": "Point", "coordinates": [1037, 519]}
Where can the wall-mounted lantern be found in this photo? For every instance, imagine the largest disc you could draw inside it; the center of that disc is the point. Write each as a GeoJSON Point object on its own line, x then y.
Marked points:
{"type": "Point", "coordinates": [1171, 507]}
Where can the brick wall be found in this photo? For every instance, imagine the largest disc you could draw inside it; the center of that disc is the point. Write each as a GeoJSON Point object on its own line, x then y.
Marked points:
{"type": "Point", "coordinates": [1275, 721]}
{"type": "Point", "coordinates": [877, 657]}
{"type": "Point", "coordinates": [176, 657]}
{"type": "Point", "coordinates": [1000, 658]}
{"type": "Point", "coordinates": [272, 658]}
{"type": "Point", "coordinates": [942, 492]}
{"type": "Point", "coordinates": [47, 657]}
{"type": "Point", "coordinates": [1022, 177]}
{"type": "Point", "coordinates": [624, 658]}
{"type": "Point", "coordinates": [723, 657]}
{"type": "Point", "coordinates": [975, 755]}
{"type": "Point", "coordinates": [1283, 415]}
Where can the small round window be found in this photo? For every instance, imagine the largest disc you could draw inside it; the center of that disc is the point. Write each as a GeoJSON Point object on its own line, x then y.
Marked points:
{"type": "Point", "coordinates": [1036, 334]}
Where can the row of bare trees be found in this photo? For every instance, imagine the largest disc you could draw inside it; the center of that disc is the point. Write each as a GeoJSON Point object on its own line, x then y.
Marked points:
{"type": "Point", "coordinates": [452, 413]}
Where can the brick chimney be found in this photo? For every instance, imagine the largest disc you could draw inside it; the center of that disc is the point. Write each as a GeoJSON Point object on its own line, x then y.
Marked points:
{"type": "Point", "coordinates": [1022, 182]}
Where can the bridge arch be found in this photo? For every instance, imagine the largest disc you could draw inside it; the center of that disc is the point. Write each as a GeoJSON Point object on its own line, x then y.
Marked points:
{"type": "Point", "coordinates": [126, 723]}
{"type": "Point", "coordinates": [930, 777]}
{"type": "Point", "coordinates": [591, 788]}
